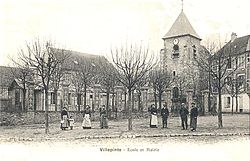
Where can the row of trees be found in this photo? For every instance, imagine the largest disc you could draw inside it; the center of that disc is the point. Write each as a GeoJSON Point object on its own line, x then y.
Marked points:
{"type": "Point", "coordinates": [132, 67]}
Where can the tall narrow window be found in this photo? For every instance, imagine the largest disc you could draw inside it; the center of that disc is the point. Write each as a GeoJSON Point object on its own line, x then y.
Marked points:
{"type": "Point", "coordinates": [175, 51]}
{"type": "Point", "coordinates": [248, 57]}
{"type": "Point", "coordinates": [228, 102]}
{"type": "Point", "coordinates": [174, 74]}
{"type": "Point", "coordinates": [69, 98]}
{"type": "Point", "coordinates": [52, 98]}
{"type": "Point", "coordinates": [194, 52]}
{"type": "Point", "coordinates": [240, 80]}
{"type": "Point", "coordinates": [79, 99]}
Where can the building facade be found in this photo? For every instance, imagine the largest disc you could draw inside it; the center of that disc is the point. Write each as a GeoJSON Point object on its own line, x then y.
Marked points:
{"type": "Point", "coordinates": [235, 93]}
{"type": "Point", "coordinates": [181, 47]}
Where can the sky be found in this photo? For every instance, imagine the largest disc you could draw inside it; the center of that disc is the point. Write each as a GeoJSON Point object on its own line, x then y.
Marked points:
{"type": "Point", "coordinates": [95, 26]}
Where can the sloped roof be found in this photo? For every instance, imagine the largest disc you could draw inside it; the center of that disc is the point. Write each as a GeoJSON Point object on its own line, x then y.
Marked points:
{"type": "Point", "coordinates": [238, 46]}
{"type": "Point", "coordinates": [6, 76]}
{"type": "Point", "coordinates": [181, 27]}
{"type": "Point", "coordinates": [75, 57]}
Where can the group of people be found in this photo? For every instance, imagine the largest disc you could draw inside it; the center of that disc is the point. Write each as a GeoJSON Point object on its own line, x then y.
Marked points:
{"type": "Point", "coordinates": [67, 121]}
{"type": "Point", "coordinates": [183, 115]}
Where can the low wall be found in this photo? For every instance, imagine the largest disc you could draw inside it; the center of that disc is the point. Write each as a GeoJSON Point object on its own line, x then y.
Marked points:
{"type": "Point", "coordinates": [38, 117]}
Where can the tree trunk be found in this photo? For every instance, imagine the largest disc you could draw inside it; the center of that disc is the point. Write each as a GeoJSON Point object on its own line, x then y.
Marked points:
{"type": "Point", "coordinates": [107, 103]}
{"type": "Point", "coordinates": [160, 97]}
{"type": "Point", "coordinates": [107, 100]}
{"type": "Point", "coordinates": [236, 101]}
{"type": "Point", "coordinates": [125, 102]}
{"type": "Point", "coordinates": [219, 92]}
{"type": "Point", "coordinates": [133, 101]}
{"type": "Point", "coordinates": [79, 101]}
{"type": "Point", "coordinates": [232, 105]}
{"type": "Point", "coordinates": [155, 97]}
{"type": "Point", "coordinates": [55, 92]}
{"type": "Point", "coordinates": [24, 99]}
{"type": "Point", "coordinates": [85, 96]}
{"type": "Point", "coordinates": [113, 101]}
{"type": "Point", "coordinates": [139, 101]}
{"type": "Point", "coordinates": [210, 91]}
{"type": "Point", "coordinates": [129, 110]}
{"type": "Point", "coordinates": [46, 112]}
{"type": "Point", "coordinates": [219, 110]}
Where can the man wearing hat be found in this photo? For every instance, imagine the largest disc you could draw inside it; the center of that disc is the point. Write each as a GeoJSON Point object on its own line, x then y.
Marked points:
{"type": "Point", "coordinates": [193, 117]}
{"type": "Point", "coordinates": [183, 113]}
{"type": "Point", "coordinates": [164, 115]}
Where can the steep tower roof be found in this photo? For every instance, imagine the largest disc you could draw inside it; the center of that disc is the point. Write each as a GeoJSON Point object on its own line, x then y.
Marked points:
{"type": "Point", "coordinates": [181, 27]}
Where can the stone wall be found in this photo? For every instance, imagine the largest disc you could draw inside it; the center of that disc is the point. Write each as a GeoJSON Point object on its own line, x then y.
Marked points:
{"type": "Point", "coordinates": [38, 117]}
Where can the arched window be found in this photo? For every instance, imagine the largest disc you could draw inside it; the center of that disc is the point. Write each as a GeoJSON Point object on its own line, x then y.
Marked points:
{"type": "Point", "coordinates": [175, 51]}
{"type": "Point", "coordinates": [176, 47]}
{"type": "Point", "coordinates": [175, 92]}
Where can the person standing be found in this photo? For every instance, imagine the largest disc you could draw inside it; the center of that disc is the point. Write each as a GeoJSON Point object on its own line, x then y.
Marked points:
{"type": "Point", "coordinates": [164, 115]}
{"type": "Point", "coordinates": [193, 117]}
{"type": "Point", "coordinates": [103, 117]}
{"type": "Point", "coordinates": [183, 113]}
{"type": "Point", "coordinates": [71, 122]}
{"type": "Point", "coordinates": [64, 119]}
{"type": "Point", "coordinates": [86, 124]}
{"type": "Point", "coordinates": [153, 117]}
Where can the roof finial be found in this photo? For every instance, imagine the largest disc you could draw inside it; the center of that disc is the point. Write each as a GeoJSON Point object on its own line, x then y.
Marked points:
{"type": "Point", "coordinates": [182, 5]}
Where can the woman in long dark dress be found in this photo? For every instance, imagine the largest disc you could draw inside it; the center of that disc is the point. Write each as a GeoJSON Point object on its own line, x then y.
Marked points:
{"type": "Point", "coordinates": [86, 124]}
{"type": "Point", "coordinates": [64, 119]}
{"type": "Point", "coordinates": [103, 118]}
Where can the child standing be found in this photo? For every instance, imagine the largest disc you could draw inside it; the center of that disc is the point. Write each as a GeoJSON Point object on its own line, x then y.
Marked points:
{"type": "Point", "coordinates": [71, 123]}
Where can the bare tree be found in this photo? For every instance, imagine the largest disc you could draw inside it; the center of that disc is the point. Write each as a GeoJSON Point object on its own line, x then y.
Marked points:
{"type": "Point", "coordinates": [45, 61]}
{"type": "Point", "coordinates": [108, 80]}
{"type": "Point", "coordinates": [160, 79]}
{"type": "Point", "coordinates": [84, 76]}
{"type": "Point", "coordinates": [132, 64]}
{"type": "Point", "coordinates": [22, 73]}
{"type": "Point", "coordinates": [59, 72]}
{"type": "Point", "coordinates": [234, 86]}
{"type": "Point", "coordinates": [219, 66]}
{"type": "Point", "coordinates": [78, 85]}
{"type": "Point", "coordinates": [143, 82]}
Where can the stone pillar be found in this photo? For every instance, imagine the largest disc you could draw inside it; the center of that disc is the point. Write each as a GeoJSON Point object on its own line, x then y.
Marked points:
{"type": "Point", "coordinates": [118, 98]}
{"type": "Point", "coordinates": [168, 98]}
{"type": "Point", "coordinates": [30, 98]}
{"type": "Point", "coordinates": [205, 100]}
{"type": "Point", "coordinates": [64, 97]}
{"type": "Point", "coordinates": [31, 104]}
{"type": "Point", "coordinates": [96, 97]}
{"type": "Point", "coordinates": [144, 98]}
{"type": "Point", "coordinates": [189, 93]}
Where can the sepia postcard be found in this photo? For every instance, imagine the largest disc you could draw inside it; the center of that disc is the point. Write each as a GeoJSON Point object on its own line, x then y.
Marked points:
{"type": "Point", "coordinates": [163, 80]}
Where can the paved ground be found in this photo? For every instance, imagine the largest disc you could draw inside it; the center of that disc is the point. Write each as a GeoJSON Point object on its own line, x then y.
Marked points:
{"type": "Point", "coordinates": [207, 126]}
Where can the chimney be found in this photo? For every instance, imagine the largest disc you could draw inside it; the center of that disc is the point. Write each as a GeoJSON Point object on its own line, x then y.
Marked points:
{"type": "Point", "coordinates": [233, 36]}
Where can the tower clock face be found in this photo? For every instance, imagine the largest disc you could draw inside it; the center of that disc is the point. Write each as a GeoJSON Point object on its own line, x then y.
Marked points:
{"type": "Point", "coordinates": [176, 41]}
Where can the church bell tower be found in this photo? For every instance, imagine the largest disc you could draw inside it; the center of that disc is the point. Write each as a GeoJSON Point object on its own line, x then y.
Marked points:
{"type": "Point", "coordinates": [181, 47]}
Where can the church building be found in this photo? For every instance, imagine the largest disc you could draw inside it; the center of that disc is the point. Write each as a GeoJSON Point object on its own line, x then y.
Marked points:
{"type": "Point", "coordinates": [181, 48]}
